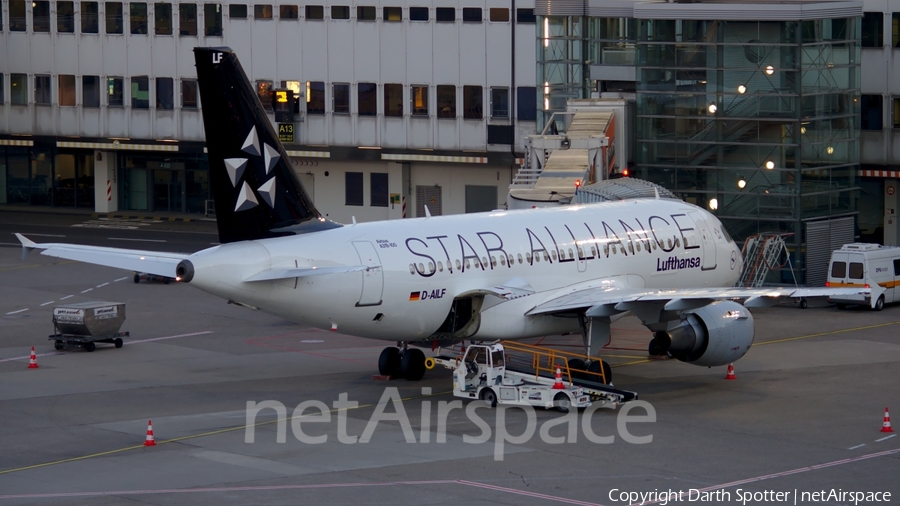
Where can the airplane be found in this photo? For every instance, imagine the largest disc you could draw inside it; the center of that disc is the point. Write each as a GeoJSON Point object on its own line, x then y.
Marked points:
{"type": "Point", "coordinates": [439, 279]}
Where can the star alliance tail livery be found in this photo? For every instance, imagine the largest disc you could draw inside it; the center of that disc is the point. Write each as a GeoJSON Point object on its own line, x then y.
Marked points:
{"type": "Point", "coordinates": [486, 276]}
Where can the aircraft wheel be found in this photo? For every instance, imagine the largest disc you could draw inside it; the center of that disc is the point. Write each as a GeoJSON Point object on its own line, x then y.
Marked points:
{"type": "Point", "coordinates": [412, 364]}
{"type": "Point", "coordinates": [389, 361]}
{"type": "Point", "coordinates": [488, 396]}
{"type": "Point", "coordinates": [879, 304]}
{"type": "Point", "coordinates": [653, 349]}
{"type": "Point", "coordinates": [118, 342]}
{"type": "Point", "coordinates": [137, 278]}
{"type": "Point", "coordinates": [596, 366]}
{"type": "Point", "coordinates": [803, 304]}
{"type": "Point", "coordinates": [562, 403]}
{"type": "Point", "coordinates": [577, 365]}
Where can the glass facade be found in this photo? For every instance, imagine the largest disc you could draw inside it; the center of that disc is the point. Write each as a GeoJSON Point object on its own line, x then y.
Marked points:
{"type": "Point", "coordinates": [160, 183]}
{"type": "Point", "coordinates": [46, 177]}
{"type": "Point", "coordinates": [757, 121]}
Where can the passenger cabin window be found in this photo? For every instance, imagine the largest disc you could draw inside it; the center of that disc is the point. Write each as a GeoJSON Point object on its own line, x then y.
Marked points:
{"type": "Point", "coordinates": [856, 270]}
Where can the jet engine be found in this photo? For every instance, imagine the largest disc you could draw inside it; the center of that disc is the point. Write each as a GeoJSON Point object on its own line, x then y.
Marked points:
{"type": "Point", "coordinates": [716, 334]}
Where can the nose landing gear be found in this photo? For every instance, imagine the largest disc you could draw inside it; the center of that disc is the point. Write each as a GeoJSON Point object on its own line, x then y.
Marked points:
{"type": "Point", "coordinates": [406, 363]}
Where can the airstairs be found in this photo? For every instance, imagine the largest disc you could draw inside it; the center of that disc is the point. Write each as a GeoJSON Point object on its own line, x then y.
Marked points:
{"type": "Point", "coordinates": [762, 254]}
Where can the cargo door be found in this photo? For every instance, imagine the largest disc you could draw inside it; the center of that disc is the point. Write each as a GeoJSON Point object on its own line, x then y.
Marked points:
{"type": "Point", "coordinates": [372, 277]}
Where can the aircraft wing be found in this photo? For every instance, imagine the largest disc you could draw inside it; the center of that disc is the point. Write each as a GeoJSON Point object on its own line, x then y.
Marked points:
{"type": "Point", "coordinates": [151, 262]}
{"type": "Point", "coordinates": [608, 301]}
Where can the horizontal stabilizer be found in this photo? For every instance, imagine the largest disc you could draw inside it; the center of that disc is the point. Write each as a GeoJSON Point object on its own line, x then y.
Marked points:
{"type": "Point", "coordinates": [150, 262]}
{"type": "Point", "coordinates": [302, 272]}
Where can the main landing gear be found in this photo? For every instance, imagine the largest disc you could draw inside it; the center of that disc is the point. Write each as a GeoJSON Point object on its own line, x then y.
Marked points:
{"type": "Point", "coordinates": [402, 362]}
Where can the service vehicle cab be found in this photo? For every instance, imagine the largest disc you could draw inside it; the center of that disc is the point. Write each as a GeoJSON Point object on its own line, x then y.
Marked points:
{"type": "Point", "coordinates": [864, 265]}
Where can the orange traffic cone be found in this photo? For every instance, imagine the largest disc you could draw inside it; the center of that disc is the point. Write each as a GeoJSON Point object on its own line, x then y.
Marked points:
{"type": "Point", "coordinates": [730, 375]}
{"type": "Point", "coordinates": [149, 441]}
{"type": "Point", "coordinates": [559, 383]}
{"type": "Point", "coordinates": [32, 364]}
{"type": "Point", "coordinates": [886, 424]}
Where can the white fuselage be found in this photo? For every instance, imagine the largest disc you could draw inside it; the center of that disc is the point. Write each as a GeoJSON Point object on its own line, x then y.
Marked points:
{"type": "Point", "coordinates": [418, 266]}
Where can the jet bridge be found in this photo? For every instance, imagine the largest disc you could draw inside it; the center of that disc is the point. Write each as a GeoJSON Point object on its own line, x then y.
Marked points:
{"type": "Point", "coordinates": [558, 163]}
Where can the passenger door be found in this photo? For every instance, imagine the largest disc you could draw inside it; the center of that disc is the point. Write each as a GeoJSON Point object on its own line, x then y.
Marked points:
{"type": "Point", "coordinates": [373, 277]}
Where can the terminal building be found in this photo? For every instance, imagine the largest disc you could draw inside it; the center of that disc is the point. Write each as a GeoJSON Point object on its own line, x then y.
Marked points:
{"type": "Point", "coordinates": [779, 117]}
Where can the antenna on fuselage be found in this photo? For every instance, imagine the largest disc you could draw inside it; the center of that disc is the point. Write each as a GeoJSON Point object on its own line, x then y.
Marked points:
{"type": "Point", "coordinates": [427, 212]}
{"type": "Point", "coordinates": [656, 192]}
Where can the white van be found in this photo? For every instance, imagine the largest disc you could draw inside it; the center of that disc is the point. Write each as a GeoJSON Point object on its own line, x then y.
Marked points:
{"type": "Point", "coordinates": [865, 265]}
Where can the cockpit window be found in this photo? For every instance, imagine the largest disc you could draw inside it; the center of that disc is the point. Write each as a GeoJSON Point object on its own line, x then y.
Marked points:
{"type": "Point", "coordinates": [725, 232]}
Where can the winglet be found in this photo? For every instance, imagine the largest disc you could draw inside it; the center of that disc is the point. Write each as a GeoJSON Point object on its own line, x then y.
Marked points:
{"type": "Point", "coordinates": [27, 245]}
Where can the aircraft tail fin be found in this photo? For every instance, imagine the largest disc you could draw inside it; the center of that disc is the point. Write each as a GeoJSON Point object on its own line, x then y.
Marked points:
{"type": "Point", "coordinates": [256, 192]}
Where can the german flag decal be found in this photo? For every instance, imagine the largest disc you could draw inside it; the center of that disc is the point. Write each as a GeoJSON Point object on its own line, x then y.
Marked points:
{"type": "Point", "coordinates": [413, 296]}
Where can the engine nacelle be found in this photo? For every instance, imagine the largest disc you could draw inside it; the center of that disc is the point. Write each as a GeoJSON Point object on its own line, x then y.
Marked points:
{"type": "Point", "coordinates": [715, 334]}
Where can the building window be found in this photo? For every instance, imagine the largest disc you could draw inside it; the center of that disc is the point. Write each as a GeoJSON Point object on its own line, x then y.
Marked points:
{"type": "Point", "coordinates": [315, 97]}
{"type": "Point", "coordinates": [165, 93]}
{"type": "Point", "coordinates": [138, 18]}
{"type": "Point", "coordinates": [90, 91]}
{"type": "Point", "coordinates": [378, 191]}
{"type": "Point", "coordinates": [367, 99]}
{"type": "Point", "coordinates": [40, 15]}
{"type": "Point", "coordinates": [895, 102]}
{"type": "Point", "coordinates": [353, 188]}
{"type": "Point", "coordinates": [288, 12]}
{"type": "Point", "coordinates": [2, 100]}
{"type": "Point", "coordinates": [446, 101]}
{"type": "Point", "coordinates": [499, 15]}
{"type": "Point", "coordinates": [445, 14]}
{"type": "Point", "coordinates": [340, 12]}
{"type": "Point", "coordinates": [18, 22]}
{"type": "Point", "coordinates": [90, 17]}
{"type": "Point", "coordinates": [263, 90]}
{"type": "Point", "coordinates": [524, 16]}
{"type": "Point", "coordinates": [115, 89]}
{"type": "Point", "coordinates": [66, 94]}
{"type": "Point", "coordinates": [140, 92]}
{"type": "Point", "coordinates": [895, 29]}
{"type": "Point", "coordinates": [471, 14]}
{"type": "Point", "coordinates": [294, 86]}
{"type": "Point", "coordinates": [500, 103]}
{"type": "Point", "coordinates": [418, 13]}
{"type": "Point", "coordinates": [473, 102]}
{"type": "Point", "coordinates": [114, 18]}
{"type": "Point", "coordinates": [187, 20]}
{"type": "Point", "coordinates": [341, 98]}
{"type": "Point", "coordinates": [873, 29]}
{"type": "Point", "coordinates": [263, 11]}
{"type": "Point", "coordinates": [392, 14]}
{"type": "Point", "coordinates": [212, 20]}
{"type": "Point", "coordinates": [188, 93]}
{"type": "Point", "coordinates": [365, 13]}
{"type": "Point", "coordinates": [162, 19]}
{"type": "Point", "coordinates": [65, 17]}
{"type": "Point", "coordinates": [43, 91]}
{"type": "Point", "coordinates": [315, 12]}
{"type": "Point", "coordinates": [237, 11]}
{"type": "Point", "coordinates": [393, 100]}
{"type": "Point", "coordinates": [526, 103]}
{"type": "Point", "coordinates": [418, 97]}
{"type": "Point", "coordinates": [871, 112]}
{"type": "Point", "coordinates": [18, 89]}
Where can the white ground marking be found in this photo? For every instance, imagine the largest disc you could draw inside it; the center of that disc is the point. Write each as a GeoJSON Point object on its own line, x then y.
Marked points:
{"type": "Point", "coordinates": [885, 437]}
{"type": "Point", "coordinates": [51, 302]}
{"type": "Point", "coordinates": [86, 291]}
{"type": "Point", "coordinates": [66, 297]}
{"type": "Point", "coordinates": [101, 286]}
{"type": "Point", "coordinates": [134, 240]}
{"type": "Point", "coordinates": [19, 311]}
